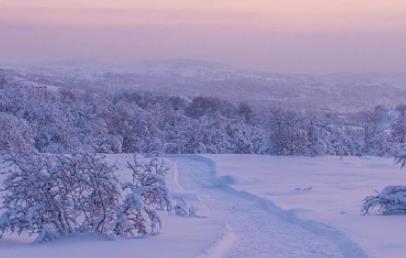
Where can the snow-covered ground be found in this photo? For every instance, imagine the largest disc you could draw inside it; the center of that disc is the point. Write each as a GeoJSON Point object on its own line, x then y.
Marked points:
{"type": "Point", "coordinates": [326, 190]}
{"type": "Point", "coordinates": [255, 206]}
{"type": "Point", "coordinates": [179, 238]}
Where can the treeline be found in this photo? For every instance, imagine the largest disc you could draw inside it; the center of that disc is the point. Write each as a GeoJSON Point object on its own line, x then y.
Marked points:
{"type": "Point", "coordinates": [69, 121]}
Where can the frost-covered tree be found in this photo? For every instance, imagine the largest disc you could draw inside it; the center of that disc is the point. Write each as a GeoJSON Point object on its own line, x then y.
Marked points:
{"type": "Point", "coordinates": [398, 133]}
{"type": "Point", "coordinates": [145, 194]}
{"type": "Point", "coordinates": [16, 134]}
{"type": "Point", "coordinates": [94, 189]}
{"type": "Point", "coordinates": [246, 111]}
{"type": "Point", "coordinates": [57, 196]}
{"type": "Point", "coordinates": [201, 106]}
{"type": "Point", "coordinates": [131, 121]}
{"type": "Point", "coordinates": [341, 143]}
{"type": "Point", "coordinates": [288, 135]}
{"type": "Point", "coordinates": [3, 79]}
{"type": "Point", "coordinates": [316, 136]}
{"type": "Point", "coordinates": [32, 202]}
{"type": "Point", "coordinates": [374, 137]}
{"type": "Point", "coordinates": [52, 196]}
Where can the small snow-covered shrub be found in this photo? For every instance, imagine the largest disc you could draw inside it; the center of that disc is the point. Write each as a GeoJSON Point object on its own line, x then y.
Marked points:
{"type": "Point", "coordinates": [52, 196]}
{"type": "Point", "coordinates": [391, 201]}
{"type": "Point", "coordinates": [400, 159]}
{"type": "Point", "coordinates": [93, 188]}
{"type": "Point", "coordinates": [184, 209]}
{"type": "Point", "coordinates": [145, 194]}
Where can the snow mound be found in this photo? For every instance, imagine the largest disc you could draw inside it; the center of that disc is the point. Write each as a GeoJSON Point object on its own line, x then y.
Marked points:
{"type": "Point", "coordinates": [391, 201]}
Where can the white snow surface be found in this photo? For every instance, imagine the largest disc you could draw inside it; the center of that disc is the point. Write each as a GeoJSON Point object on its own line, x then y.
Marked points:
{"type": "Point", "coordinates": [326, 190]}
{"type": "Point", "coordinates": [254, 206]}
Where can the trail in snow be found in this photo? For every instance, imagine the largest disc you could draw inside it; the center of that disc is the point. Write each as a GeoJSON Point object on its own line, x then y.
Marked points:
{"type": "Point", "coordinates": [256, 227]}
{"type": "Point", "coordinates": [222, 245]}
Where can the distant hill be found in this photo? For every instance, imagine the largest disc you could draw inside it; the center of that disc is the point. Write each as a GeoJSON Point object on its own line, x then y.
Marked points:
{"type": "Point", "coordinates": [341, 92]}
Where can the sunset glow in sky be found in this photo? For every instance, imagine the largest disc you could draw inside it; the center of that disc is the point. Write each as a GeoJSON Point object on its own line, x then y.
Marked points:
{"type": "Point", "coordinates": [274, 35]}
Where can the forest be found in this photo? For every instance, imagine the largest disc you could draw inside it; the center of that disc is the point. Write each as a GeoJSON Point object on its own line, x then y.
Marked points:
{"type": "Point", "coordinates": [61, 120]}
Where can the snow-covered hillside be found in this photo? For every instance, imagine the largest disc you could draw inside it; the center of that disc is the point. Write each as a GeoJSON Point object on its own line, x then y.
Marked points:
{"type": "Point", "coordinates": [325, 190]}
{"type": "Point", "coordinates": [255, 206]}
{"type": "Point", "coordinates": [337, 92]}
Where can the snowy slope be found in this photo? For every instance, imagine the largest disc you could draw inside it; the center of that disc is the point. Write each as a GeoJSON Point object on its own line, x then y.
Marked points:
{"type": "Point", "coordinates": [260, 228]}
{"type": "Point", "coordinates": [326, 190]}
{"type": "Point", "coordinates": [179, 238]}
{"type": "Point", "coordinates": [255, 206]}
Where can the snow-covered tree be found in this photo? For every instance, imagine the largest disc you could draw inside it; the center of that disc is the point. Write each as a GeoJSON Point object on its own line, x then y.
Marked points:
{"type": "Point", "coordinates": [131, 121]}
{"type": "Point", "coordinates": [31, 201]}
{"type": "Point", "coordinates": [54, 196]}
{"type": "Point", "coordinates": [145, 194]}
{"type": "Point", "coordinates": [288, 135]}
{"type": "Point", "coordinates": [16, 134]}
{"type": "Point", "coordinates": [316, 136]}
{"type": "Point", "coordinates": [94, 189]}
{"type": "Point", "coordinates": [3, 79]}
{"type": "Point", "coordinates": [374, 137]}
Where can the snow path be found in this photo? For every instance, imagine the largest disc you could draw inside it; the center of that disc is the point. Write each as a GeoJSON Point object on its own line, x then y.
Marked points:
{"type": "Point", "coordinates": [256, 227]}
{"type": "Point", "coordinates": [221, 246]}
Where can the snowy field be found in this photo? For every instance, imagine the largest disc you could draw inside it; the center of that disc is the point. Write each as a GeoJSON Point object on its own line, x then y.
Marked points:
{"type": "Point", "coordinates": [255, 206]}
{"type": "Point", "coordinates": [326, 190]}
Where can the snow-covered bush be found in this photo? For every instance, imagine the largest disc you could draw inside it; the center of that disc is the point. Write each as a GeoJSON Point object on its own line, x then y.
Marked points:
{"type": "Point", "coordinates": [145, 194]}
{"type": "Point", "coordinates": [32, 202]}
{"type": "Point", "coordinates": [184, 209]}
{"type": "Point", "coordinates": [392, 200]}
{"type": "Point", "coordinates": [93, 188]}
{"type": "Point", "coordinates": [54, 196]}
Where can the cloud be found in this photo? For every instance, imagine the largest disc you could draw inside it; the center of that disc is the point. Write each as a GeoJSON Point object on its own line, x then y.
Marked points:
{"type": "Point", "coordinates": [287, 14]}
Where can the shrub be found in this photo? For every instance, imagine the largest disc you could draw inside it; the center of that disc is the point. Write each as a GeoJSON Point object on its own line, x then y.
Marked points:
{"type": "Point", "coordinates": [145, 193]}
{"type": "Point", "coordinates": [391, 201]}
{"type": "Point", "coordinates": [54, 196]}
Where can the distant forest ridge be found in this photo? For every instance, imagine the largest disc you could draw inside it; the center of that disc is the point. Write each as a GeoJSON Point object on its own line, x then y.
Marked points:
{"type": "Point", "coordinates": [344, 92]}
{"type": "Point", "coordinates": [49, 118]}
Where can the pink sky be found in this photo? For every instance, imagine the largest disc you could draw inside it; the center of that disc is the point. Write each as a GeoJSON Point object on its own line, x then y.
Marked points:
{"type": "Point", "coordinates": [282, 36]}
